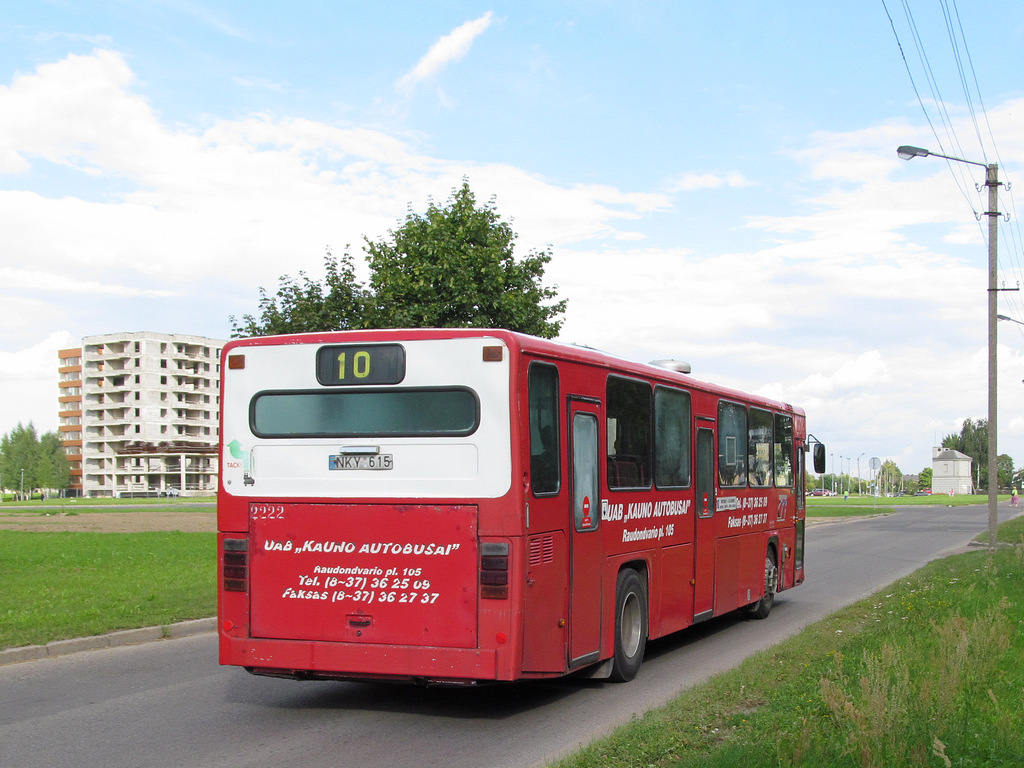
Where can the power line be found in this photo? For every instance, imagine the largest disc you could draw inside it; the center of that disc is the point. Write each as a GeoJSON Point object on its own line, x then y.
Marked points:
{"type": "Point", "coordinates": [946, 129]}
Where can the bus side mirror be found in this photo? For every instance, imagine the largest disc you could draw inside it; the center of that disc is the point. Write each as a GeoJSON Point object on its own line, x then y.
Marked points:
{"type": "Point", "coordinates": [819, 459]}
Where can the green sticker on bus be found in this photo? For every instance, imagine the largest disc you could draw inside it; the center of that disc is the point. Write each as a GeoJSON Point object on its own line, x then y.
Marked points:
{"type": "Point", "coordinates": [354, 364]}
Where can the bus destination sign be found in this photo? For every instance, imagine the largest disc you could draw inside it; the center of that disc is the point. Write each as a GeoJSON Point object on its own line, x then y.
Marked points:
{"type": "Point", "coordinates": [354, 364]}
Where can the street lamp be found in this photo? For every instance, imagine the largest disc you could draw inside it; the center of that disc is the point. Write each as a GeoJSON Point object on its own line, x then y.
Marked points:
{"type": "Point", "coordinates": [992, 182]}
{"type": "Point", "coordinates": [859, 491]}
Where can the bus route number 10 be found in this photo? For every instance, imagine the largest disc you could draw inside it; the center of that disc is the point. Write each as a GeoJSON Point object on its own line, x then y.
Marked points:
{"type": "Point", "coordinates": [353, 364]}
{"type": "Point", "coordinates": [360, 365]}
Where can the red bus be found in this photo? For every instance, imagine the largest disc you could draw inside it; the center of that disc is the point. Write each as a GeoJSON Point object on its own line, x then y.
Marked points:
{"type": "Point", "coordinates": [466, 505]}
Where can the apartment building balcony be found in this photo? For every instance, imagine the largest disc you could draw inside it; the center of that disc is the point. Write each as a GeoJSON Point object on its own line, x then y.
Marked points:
{"type": "Point", "coordinates": [94, 465]}
{"type": "Point", "coordinates": [109, 349]}
{"type": "Point", "coordinates": [106, 383]}
{"type": "Point", "coordinates": [119, 414]}
{"type": "Point", "coordinates": [190, 417]}
{"type": "Point", "coordinates": [190, 352]}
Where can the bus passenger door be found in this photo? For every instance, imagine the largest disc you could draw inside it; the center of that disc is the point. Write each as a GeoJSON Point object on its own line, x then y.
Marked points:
{"type": "Point", "coordinates": [704, 520]}
{"type": "Point", "coordinates": [585, 539]}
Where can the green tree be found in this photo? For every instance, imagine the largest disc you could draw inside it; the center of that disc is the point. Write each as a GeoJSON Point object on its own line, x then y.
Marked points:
{"type": "Point", "coordinates": [889, 478]}
{"type": "Point", "coordinates": [29, 462]}
{"type": "Point", "coordinates": [1004, 470]}
{"type": "Point", "coordinates": [454, 267]}
{"type": "Point", "coordinates": [924, 480]}
{"type": "Point", "coordinates": [19, 450]}
{"type": "Point", "coordinates": [303, 305]}
{"type": "Point", "coordinates": [53, 470]}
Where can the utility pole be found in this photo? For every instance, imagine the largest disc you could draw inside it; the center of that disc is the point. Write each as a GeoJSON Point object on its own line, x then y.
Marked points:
{"type": "Point", "coordinates": [992, 182]}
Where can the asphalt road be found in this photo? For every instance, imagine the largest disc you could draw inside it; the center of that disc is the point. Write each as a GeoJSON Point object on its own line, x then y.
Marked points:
{"type": "Point", "coordinates": [170, 704]}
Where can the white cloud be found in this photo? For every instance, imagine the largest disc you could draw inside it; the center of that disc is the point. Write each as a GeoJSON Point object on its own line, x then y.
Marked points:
{"type": "Point", "coordinates": [72, 112]}
{"type": "Point", "coordinates": [691, 182]}
{"type": "Point", "coordinates": [20, 318]}
{"type": "Point", "coordinates": [34, 280]}
{"type": "Point", "coordinates": [28, 382]}
{"type": "Point", "coordinates": [841, 309]}
{"type": "Point", "coordinates": [875, 334]}
{"type": "Point", "coordinates": [160, 208]}
{"type": "Point", "coordinates": [450, 48]}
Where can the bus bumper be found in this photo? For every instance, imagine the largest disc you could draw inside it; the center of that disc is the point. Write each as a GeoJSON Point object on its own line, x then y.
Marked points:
{"type": "Point", "coordinates": [317, 660]}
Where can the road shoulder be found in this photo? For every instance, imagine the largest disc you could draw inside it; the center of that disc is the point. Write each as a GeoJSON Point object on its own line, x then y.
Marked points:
{"type": "Point", "coordinates": [111, 640]}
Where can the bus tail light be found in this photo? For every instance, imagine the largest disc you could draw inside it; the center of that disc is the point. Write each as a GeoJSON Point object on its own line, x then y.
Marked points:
{"type": "Point", "coordinates": [236, 565]}
{"type": "Point", "coordinates": [494, 570]}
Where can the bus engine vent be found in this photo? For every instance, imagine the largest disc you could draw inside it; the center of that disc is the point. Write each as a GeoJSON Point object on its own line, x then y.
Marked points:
{"type": "Point", "coordinates": [542, 550]}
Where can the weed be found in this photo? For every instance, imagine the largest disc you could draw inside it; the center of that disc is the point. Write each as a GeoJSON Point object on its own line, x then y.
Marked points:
{"type": "Point", "coordinates": [925, 673]}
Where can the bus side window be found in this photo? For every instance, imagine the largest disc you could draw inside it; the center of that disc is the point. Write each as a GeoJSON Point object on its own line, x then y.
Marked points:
{"type": "Point", "coordinates": [783, 451]}
{"type": "Point", "coordinates": [759, 448]}
{"type": "Point", "coordinates": [671, 438]}
{"type": "Point", "coordinates": [628, 430]}
{"type": "Point", "coordinates": [545, 467]}
{"type": "Point", "coordinates": [732, 437]}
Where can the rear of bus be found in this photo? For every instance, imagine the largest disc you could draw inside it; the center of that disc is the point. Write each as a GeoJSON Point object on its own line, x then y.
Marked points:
{"type": "Point", "coordinates": [358, 473]}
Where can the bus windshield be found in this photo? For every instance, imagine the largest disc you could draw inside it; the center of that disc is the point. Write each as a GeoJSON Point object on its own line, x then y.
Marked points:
{"type": "Point", "coordinates": [366, 413]}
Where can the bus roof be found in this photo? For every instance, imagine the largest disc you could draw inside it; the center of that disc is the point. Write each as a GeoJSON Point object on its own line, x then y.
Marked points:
{"type": "Point", "coordinates": [523, 343]}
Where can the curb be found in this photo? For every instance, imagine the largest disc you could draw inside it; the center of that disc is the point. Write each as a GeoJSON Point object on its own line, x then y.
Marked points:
{"type": "Point", "coordinates": [112, 640]}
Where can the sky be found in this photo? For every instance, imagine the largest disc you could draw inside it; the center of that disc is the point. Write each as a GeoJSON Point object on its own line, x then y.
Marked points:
{"type": "Point", "coordinates": [715, 182]}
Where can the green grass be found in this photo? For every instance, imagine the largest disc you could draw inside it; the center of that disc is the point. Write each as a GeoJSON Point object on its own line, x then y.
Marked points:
{"type": "Point", "coordinates": [856, 506]}
{"type": "Point", "coordinates": [960, 500]}
{"type": "Point", "coordinates": [63, 585]}
{"type": "Point", "coordinates": [925, 673]}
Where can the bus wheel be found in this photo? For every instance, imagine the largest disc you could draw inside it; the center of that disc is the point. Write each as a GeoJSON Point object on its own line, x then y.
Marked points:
{"type": "Point", "coordinates": [630, 625]}
{"type": "Point", "coordinates": [763, 607]}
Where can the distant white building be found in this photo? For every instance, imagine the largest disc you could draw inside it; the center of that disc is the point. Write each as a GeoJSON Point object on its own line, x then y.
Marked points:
{"type": "Point", "coordinates": [951, 471]}
{"type": "Point", "coordinates": [139, 413]}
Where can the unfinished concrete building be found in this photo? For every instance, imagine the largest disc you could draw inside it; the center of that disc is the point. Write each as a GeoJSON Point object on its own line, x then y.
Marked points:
{"type": "Point", "coordinates": [139, 414]}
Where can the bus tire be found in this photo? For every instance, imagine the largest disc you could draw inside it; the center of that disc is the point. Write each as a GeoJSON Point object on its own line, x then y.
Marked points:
{"type": "Point", "coordinates": [763, 607]}
{"type": "Point", "coordinates": [630, 625]}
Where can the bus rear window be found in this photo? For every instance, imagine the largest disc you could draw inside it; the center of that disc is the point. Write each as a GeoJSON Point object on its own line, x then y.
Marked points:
{"type": "Point", "coordinates": [365, 413]}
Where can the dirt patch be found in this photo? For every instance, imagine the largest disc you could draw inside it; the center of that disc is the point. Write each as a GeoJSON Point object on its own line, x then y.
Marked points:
{"type": "Point", "coordinates": [135, 521]}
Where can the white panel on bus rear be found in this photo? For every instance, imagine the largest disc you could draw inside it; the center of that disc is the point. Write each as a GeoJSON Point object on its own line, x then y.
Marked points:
{"type": "Point", "coordinates": [425, 469]}
{"type": "Point", "coordinates": [474, 465]}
